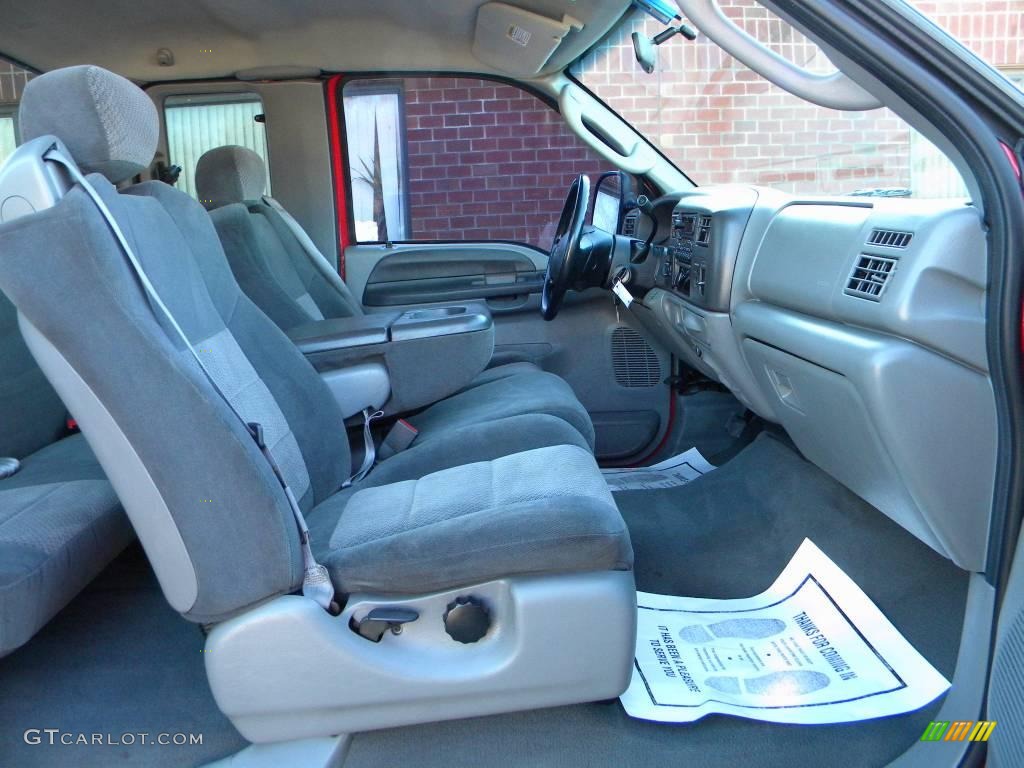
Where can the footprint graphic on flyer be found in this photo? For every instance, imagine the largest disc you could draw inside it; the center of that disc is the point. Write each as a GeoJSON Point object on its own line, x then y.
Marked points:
{"type": "Point", "coordinates": [776, 684]}
{"type": "Point", "coordinates": [738, 629]}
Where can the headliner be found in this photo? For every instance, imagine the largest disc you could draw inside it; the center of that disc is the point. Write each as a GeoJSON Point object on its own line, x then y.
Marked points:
{"type": "Point", "coordinates": [217, 38]}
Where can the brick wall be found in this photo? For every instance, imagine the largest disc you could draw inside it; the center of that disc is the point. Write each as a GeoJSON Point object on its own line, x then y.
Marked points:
{"type": "Point", "coordinates": [990, 28]}
{"type": "Point", "coordinates": [487, 161]}
{"type": "Point", "coordinates": [722, 123]}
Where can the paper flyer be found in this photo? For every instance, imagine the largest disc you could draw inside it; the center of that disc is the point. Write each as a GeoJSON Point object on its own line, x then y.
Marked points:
{"type": "Point", "coordinates": [679, 470]}
{"type": "Point", "coordinates": [811, 649]}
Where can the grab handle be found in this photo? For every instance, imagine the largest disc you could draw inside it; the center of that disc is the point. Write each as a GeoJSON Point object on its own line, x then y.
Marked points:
{"type": "Point", "coordinates": [835, 90]}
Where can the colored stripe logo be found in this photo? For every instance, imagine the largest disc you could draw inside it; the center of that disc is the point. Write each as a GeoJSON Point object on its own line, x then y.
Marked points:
{"type": "Point", "coordinates": [958, 730]}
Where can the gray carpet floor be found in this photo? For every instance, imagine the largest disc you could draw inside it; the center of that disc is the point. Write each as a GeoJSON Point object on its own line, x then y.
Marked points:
{"type": "Point", "coordinates": [727, 535]}
{"type": "Point", "coordinates": [116, 660]}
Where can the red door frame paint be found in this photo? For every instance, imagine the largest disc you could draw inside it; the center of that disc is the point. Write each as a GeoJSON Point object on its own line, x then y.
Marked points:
{"type": "Point", "coordinates": [334, 117]}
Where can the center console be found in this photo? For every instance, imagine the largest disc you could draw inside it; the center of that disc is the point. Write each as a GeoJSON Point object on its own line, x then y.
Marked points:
{"type": "Point", "coordinates": [398, 361]}
{"type": "Point", "coordinates": [698, 262]}
{"type": "Point", "coordinates": [688, 305]}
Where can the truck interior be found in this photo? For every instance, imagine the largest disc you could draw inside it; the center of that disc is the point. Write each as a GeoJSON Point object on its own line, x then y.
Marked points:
{"type": "Point", "coordinates": [310, 364]}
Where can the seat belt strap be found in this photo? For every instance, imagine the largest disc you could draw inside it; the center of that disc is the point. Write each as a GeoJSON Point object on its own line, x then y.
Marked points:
{"type": "Point", "coordinates": [320, 261]}
{"type": "Point", "coordinates": [369, 449]}
{"type": "Point", "coordinates": [316, 582]}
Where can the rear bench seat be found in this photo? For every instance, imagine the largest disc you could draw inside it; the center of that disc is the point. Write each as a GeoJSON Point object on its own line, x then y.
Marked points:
{"type": "Point", "coordinates": [60, 522]}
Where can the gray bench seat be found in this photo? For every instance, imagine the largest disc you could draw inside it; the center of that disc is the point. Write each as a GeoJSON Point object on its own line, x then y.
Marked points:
{"type": "Point", "coordinates": [60, 525]}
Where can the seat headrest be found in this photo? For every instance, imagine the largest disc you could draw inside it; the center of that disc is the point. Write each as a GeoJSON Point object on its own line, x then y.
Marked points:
{"type": "Point", "coordinates": [228, 175]}
{"type": "Point", "coordinates": [108, 123]}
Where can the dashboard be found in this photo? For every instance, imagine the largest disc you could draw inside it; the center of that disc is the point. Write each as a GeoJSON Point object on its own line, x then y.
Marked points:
{"type": "Point", "coordinates": [857, 324]}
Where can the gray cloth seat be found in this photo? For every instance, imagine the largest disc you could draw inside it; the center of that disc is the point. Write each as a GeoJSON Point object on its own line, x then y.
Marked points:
{"type": "Point", "coordinates": [31, 414]}
{"type": "Point", "coordinates": [504, 396]}
{"type": "Point", "coordinates": [60, 525]}
{"type": "Point", "coordinates": [214, 520]}
{"type": "Point", "coordinates": [60, 522]}
{"type": "Point", "coordinates": [276, 272]}
{"type": "Point", "coordinates": [515, 515]}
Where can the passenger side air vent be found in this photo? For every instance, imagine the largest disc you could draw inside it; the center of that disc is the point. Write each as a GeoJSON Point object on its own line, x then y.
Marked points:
{"type": "Point", "coordinates": [703, 230]}
{"type": "Point", "coordinates": [629, 223]}
{"type": "Point", "coordinates": [870, 276]}
{"type": "Point", "coordinates": [890, 238]}
{"type": "Point", "coordinates": [636, 364]}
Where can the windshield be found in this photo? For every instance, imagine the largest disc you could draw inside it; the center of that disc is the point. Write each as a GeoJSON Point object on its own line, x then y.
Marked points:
{"type": "Point", "coordinates": [720, 122]}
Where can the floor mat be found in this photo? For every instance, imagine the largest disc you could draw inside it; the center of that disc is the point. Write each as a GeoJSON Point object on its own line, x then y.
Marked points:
{"type": "Point", "coordinates": [677, 470]}
{"type": "Point", "coordinates": [812, 649]}
{"type": "Point", "coordinates": [727, 535]}
{"type": "Point", "coordinates": [117, 660]}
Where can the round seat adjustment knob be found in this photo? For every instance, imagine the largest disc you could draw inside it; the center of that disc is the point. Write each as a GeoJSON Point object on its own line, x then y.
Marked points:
{"type": "Point", "coordinates": [467, 619]}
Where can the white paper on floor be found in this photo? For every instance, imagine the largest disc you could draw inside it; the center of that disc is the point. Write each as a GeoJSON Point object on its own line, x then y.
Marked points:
{"type": "Point", "coordinates": [679, 470]}
{"type": "Point", "coordinates": [811, 649]}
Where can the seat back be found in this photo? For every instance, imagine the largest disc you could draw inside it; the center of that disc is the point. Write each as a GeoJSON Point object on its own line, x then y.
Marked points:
{"type": "Point", "coordinates": [271, 264]}
{"type": "Point", "coordinates": [213, 519]}
{"type": "Point", "coordinates": [31, 414]}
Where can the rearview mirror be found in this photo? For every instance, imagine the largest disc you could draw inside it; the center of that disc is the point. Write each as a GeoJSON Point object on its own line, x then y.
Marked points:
{"type": "Point", "coordinates": [646, 53]}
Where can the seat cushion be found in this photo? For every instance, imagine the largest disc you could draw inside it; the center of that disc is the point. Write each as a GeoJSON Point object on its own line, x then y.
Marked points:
{"type": "Point", "coordinates": [503, 371]}
{"type": "Point", "coordinates": [524, 390]}
{"type": "Point", "coordinates": [60, 525]}
{"type": "Point", "coordinates": [512, 516]}
{"type": "Point", "coordinates": [475, 442]}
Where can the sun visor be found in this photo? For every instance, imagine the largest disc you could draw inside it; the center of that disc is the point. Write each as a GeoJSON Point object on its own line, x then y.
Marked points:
{"type": "Point", "coordinates": [518, 42]}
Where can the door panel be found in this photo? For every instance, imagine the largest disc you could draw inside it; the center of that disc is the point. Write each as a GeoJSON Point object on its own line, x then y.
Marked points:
{"type": "Point", "coordinates": [418, 274]}
{"type": "Point", "coordinates": [615, 372]}
{"type": "Point", "coordinates": [371, 263]}
{"type": "Point", "coordinates": [453, 288]}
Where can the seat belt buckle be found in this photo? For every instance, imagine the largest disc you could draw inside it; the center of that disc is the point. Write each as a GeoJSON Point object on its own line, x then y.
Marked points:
{"type": "Point", "coordinates": [399, 437]}
{"type": "Point", "coordinates": [256, 430]}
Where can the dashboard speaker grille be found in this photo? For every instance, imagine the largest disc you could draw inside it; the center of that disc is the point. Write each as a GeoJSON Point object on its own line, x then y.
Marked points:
{"type": "Point", "coordinates": [635, 362]}
{"type": "Point", "coordinates": [869, 276]}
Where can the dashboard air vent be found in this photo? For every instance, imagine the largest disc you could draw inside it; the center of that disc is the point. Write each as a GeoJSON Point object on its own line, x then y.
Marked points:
{"type": "Point", "coordinates": [635, 363]}
{"type": "Point", "coordinates": [890, 238]}
{"type": "Point", "coordinates": [869, 276]}
{"type": "Point", "coordinates": [703, 230]}
{"type": "Point", "coordinates": [629, 223]}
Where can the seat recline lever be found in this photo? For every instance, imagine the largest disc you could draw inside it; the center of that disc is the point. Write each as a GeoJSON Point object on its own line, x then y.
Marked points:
{"type": "Point", "coordinates": [378, 621]}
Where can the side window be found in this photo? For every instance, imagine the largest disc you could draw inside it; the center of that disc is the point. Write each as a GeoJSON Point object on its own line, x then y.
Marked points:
{"type": "Point", "coordinates": [457, 158]}
{"type": "Point", "coordinates": [12, 82]}
{"type": "Point", "coordinates": [199, 123]}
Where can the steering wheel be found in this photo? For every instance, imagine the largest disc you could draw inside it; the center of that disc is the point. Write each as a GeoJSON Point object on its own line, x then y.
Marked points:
{"type": "Point", "coordinates": [564, 259]}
